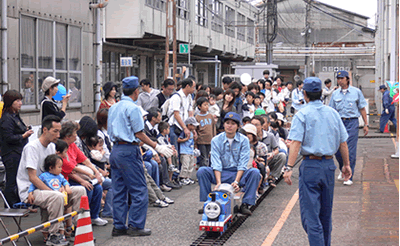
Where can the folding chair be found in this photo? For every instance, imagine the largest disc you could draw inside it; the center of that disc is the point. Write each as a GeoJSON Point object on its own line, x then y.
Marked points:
{"type": "Point", "coordinates": [13, 213]}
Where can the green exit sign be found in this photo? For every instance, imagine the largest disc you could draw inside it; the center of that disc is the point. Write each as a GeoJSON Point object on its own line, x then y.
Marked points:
{"type": "Point", "coordinates": [183, 48]}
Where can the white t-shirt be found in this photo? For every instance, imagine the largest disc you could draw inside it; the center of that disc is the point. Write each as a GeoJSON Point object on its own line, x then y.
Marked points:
{"type": "Point", "coordinates": [33, 157]}
{"type": "Point", "coordinates": [183, 107]}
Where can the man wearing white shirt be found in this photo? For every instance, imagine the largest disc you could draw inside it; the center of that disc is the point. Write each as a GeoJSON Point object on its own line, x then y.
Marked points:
{"type": "Point", "coordinates": [298, 97]}
{"type": "Point", "coordinates": [148, 95]}
{"type": "Point", "coordinates": [327, 91]}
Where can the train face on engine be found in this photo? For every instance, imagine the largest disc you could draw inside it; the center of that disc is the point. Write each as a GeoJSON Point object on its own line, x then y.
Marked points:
{"type": "Point", "coordinates": [218, 210]}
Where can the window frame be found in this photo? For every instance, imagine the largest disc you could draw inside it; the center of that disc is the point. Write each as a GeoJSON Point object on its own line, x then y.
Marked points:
{"type": "Point", "coordinates": [229, 21]}
{"type": "Point", "coordinates": [241, 29]}
{"type": "Point", "coordinates": [36, 70]}
{"type": "Point", "coordinates": [201, 13]}
{"type": "Point", "coordinates": [217, 16]}
{"type": "Point", "coordinates": [182, 11]}
{"type": "Point", "coordinates": [153, 3]}
{"type": "Point", "coordinates": [250, 30]}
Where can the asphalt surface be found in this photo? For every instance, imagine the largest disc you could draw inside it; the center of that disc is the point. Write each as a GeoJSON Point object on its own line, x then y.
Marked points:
{"type": "Point", "coordinates": [366, 213]}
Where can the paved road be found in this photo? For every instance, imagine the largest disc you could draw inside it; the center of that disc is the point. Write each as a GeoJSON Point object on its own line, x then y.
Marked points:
{"type": "Point", "coordinates": [366, 213]}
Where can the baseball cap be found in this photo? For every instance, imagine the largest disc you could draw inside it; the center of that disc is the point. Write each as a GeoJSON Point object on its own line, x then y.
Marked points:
{"type": "Point", "coordinates": [281, 117]}
{"type": "Point", "coordinates": [342, 74]}
{"type": "Point", "coordinates": [232, 116]}
{"type": "Point", "coordinates": [312, 84]}
{"type": "Point", "coordinates": [49, 82]}
{"type": "Point", "coordinates": [250, 128]}
{"type": "Point", "coordinates": [382, 87]}
{"type": "Point", "coordinates": [130, 82]}
{"type": "Point", "coordinates": [191, 121]}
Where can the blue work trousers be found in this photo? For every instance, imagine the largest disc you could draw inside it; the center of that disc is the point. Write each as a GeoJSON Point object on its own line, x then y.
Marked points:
{"type": "Point", "coordinates": [128, 177]}
{"type": "Point", "coordinates": [386, 117]}
{"type": "Point", "coordinates": [153, 170]}
{"type": "Point", "coordinates": [316, 186]}
{"type": "Point", "coordinates": [250, 180]}
{"type": "Point", "coordinates": [352, 130]}
{"type": "Point", "coordinates": [108, 209]}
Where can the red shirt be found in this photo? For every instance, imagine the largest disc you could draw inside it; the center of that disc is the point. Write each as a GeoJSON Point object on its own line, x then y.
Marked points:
{"type": "Point", "coordinates": [74, 156]}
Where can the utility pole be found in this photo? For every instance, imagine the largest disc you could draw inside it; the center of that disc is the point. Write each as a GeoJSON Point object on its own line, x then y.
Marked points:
{"type": "Point", "coordinates": [168, 28]}
{"type": "Point", "coordinates": [271, 22]}
{"type": "Point", "coordinates": [307, 33]}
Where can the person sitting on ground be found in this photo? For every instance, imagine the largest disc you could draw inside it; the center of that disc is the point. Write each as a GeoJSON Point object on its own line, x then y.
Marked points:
{"type": "Point", "coordinates": [275, 159]}
{"type": "Point", "coordinates": [230, 153]}
{"type": "Point", "coordinates": [30, 168]}
{"type": "Point", "coordinates": [53, 178]}
{"type": "Point", "coordinates": [259, 156]}
{"type": "Point", "coordinates": [246, 120]}
{"type": "Point", "coordinates": [226, 105]}
{"type": "Point", "coordinates": [248, 108]}
{"type": "Point", "coordinates": [257, 102]}
{"type": "Point", "coordinates": [186, 143]}
{"type": "Point", "coordinates": [110, 90]}
{"type": "Point", "coordinates": [218, 92]}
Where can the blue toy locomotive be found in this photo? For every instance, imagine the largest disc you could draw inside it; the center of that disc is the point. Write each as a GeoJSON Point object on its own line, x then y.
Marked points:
{"type": "Point", "coordinates": [219, 210]}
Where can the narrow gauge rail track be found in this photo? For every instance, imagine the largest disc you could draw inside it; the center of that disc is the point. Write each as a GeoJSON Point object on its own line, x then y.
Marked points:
{"type": "Point", "coordinates": [205, 239]}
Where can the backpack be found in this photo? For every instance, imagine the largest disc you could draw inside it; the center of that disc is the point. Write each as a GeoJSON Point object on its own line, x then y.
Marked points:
{"type": "Point", "coordinates": [165, 108]}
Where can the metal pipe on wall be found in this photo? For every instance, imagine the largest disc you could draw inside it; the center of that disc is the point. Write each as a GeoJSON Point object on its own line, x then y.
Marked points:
{"type": "Point", "coordinates": [99, 53]}
{"type": "Point", "coordinates": [4, 46]}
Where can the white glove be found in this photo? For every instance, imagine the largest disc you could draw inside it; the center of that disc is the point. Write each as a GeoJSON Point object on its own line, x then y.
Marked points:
{"type": "Point", "coordinates": [387, 111]}
{"type": "Point", "coordinates": [165, 150]}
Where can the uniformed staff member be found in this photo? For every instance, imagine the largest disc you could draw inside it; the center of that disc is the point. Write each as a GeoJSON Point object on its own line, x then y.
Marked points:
{"type": "Point", "coordinates": [388, 109]}
{"type": "Point", "coordinates": [230, 153]}
{"type": "Point", "coordinates": [350, 103]}
{"type": "Point", "coordinates": [318, 132]}
{"type": "Point", "coordinates": [125, 128]}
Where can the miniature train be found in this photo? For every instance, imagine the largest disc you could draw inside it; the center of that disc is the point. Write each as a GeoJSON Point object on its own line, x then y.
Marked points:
{"type": "Point", "coordinates": [219, 210]}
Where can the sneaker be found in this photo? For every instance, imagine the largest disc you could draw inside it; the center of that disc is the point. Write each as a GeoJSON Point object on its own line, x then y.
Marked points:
{"type": "Point", "coordinates": [244, 209]}
{"type": "Point", "coordinates": [54, 239]}
{"type": "Point", "coordinates": [63, 240]}
{"type": "Point", "coordinates": [99, 222]}
{"type": "Point", "coordinates": [160, 204]}
{"type": "Point", "coordinates": [118, 232]}
{"type": "Point", "coordinates": [340, 177]}
{"type": "Point", "coordinates": [173, 185]}
{"type": "Point", "coordinates": [169, 201]}
{"type": "Point", "coordinates": [172, 168]}
{"type": "Point", "coordinates": [348, 182]}
{"type": "Point", "coordinates": [165, 188]}
{"type": "Point", "coordinates": [184, 181]}
{"type": "Point", "coordinates": [191, 181]}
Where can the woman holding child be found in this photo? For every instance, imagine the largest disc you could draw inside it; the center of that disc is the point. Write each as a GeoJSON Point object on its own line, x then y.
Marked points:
{"type": "Point", "coordinates": [86, 175]}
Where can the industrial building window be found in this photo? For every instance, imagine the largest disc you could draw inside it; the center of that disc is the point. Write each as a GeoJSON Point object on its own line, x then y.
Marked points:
{"type": "Point", "coordinates": [182, 9]}
{"type": "Point", "coordinates": [157, 4]}
{"type": "Point", "coordinates": [217, 16]}
{"type": "Point", "coordinates": [230, 21]}
{"type": "Point", "coordinates": [48, 48]}
{"type": "Point", "coordinates": [250, 31]}
{"type": "Point", "coordinates": [201, 13]}
{"type": "Point", "coordinates": [241, 27]}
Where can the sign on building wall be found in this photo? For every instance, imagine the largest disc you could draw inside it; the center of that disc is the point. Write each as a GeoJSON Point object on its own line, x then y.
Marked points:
{"type": "Point", "coordinates": [126, 62]}
{"type": "Point", "coordinates": [183, 48]}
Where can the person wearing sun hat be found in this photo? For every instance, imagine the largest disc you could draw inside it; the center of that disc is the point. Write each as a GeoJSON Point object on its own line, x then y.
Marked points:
{"type": "Point", "coordinates": [230, 154]}
{"type": "Point", "coordinates": [48, 104]}
{"type": "Point", "coordinates": [317, 132]}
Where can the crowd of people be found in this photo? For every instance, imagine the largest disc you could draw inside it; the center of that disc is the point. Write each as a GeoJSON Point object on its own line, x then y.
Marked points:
{"type": "Point", "coordinates": [148, 143]}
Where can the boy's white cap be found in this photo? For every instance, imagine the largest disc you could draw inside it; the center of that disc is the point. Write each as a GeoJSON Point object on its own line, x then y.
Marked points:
{"type": "Point", "coordinates": [191, 121]}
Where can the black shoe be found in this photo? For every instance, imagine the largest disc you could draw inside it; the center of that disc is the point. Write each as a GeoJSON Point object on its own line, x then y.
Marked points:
{"type": "Point", "coordinates": [172, 185]}
{"type": "Point", "coordinates": [118, 232]}
{"type": "Point", "coordinates": [201, 211]}
{"type": "Point", "coordinates": [244, 209]}
{"type": "Point", "coordinates": [135, 232]}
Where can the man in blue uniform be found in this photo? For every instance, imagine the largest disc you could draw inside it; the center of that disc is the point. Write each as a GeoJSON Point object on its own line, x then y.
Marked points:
{"type": "Point", "coordinates": [126, 130]}
{"type": "Point", "coordinates": [318, 132]}
{"type": "Point", "coordinates": [388, 109]}
{"type": "Point", "coordinates": [230, 153]}
{"type": "Point", "coordinates": [350, 103]}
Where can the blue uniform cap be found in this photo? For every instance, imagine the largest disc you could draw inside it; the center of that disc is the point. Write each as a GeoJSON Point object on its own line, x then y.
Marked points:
{"type": "Point", "coordinates": [342, 74]}
{"type": "Point", "coordinates": [232, 116]}
{"type": "Point", "coordinates": [382, 87]}
{"type": "Point", "coordinates": [130, 82]}
{"type": "Point", "coordinates": [312, 84]}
